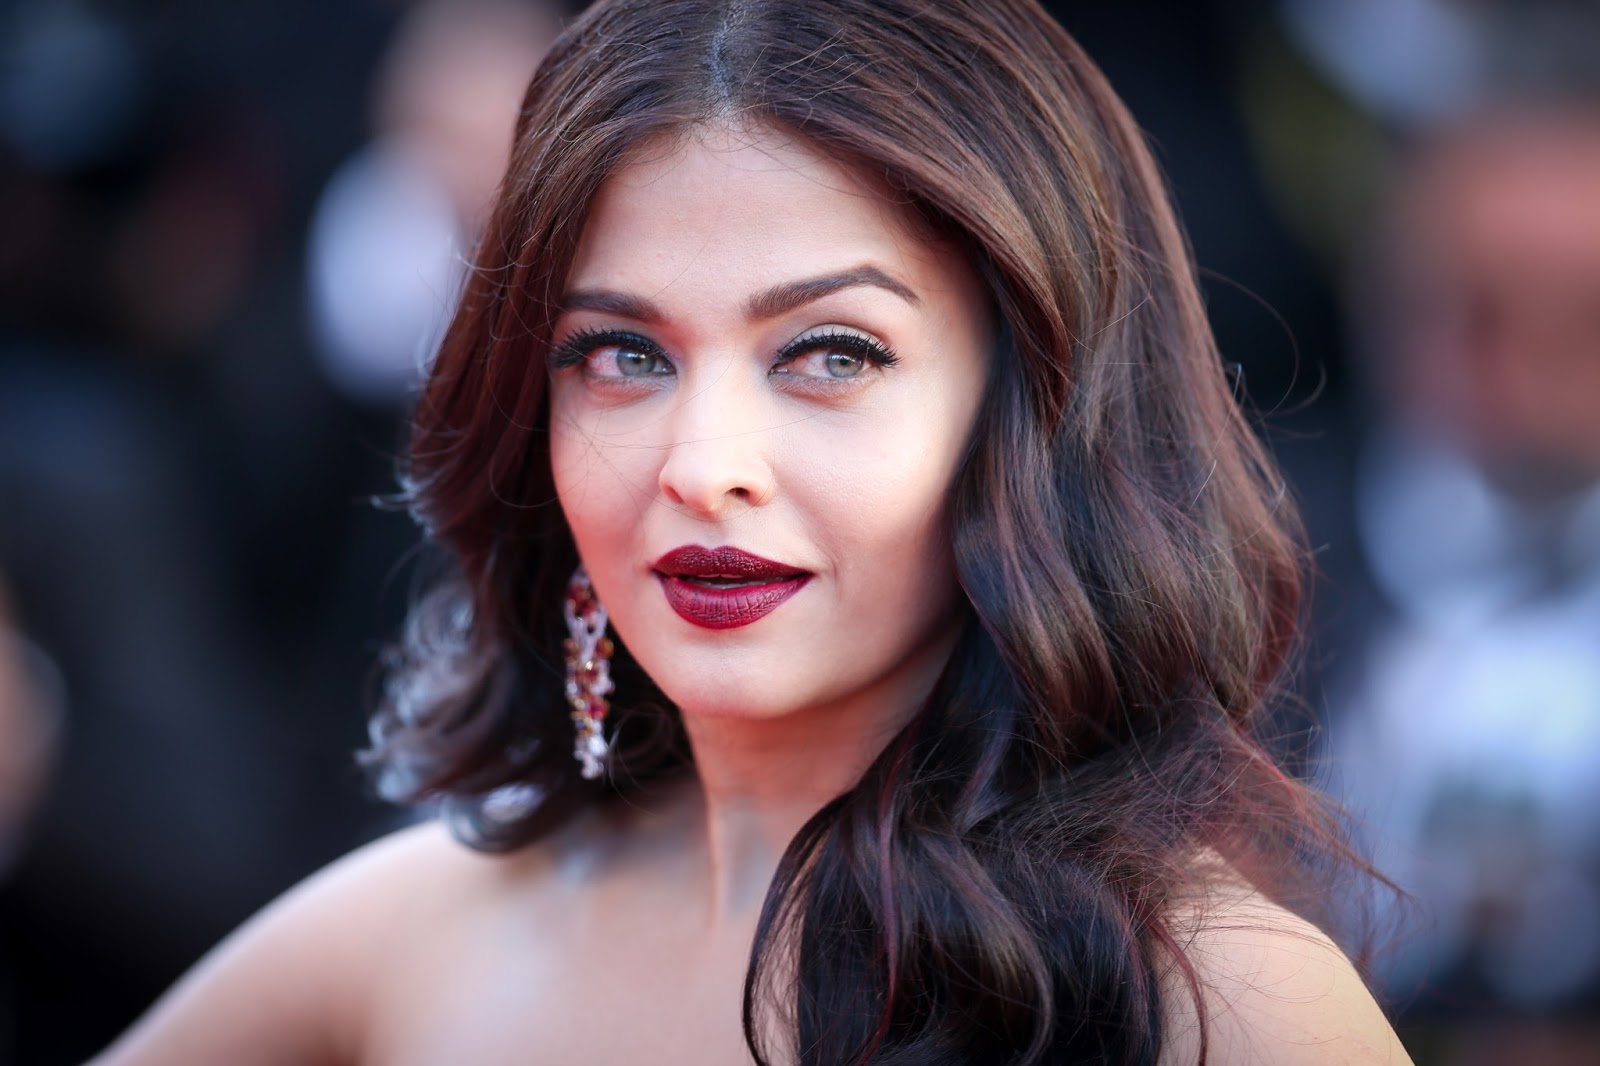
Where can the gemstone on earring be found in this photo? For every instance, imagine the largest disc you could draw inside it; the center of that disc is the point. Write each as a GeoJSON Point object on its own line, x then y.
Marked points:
{"type": "Point", "coordinates": [587, 653]}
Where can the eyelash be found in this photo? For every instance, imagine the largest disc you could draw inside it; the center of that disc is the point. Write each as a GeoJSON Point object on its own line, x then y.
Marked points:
{"type": "Point", "coordinates": [874, 352]}
{"type": "Point", "coordinates": [577, 348]}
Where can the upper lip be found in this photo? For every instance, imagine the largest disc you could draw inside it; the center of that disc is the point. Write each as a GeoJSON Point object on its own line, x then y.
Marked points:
{"type": "Point", "coordinates": [692, 560]}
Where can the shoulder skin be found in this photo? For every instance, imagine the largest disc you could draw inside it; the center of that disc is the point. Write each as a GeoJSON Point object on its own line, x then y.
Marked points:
{"type": "Point", "coordinates": [294, 984]}
{"type": "Point", "coordinates": [1276, 991]}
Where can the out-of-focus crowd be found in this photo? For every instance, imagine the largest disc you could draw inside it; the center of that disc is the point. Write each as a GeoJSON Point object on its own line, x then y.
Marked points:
{"type": "Point", "coordinates": [230, 233]}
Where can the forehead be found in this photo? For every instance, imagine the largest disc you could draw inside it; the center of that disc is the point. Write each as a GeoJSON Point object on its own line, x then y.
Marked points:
{"type": "Point", "coordinates": [736, 209]}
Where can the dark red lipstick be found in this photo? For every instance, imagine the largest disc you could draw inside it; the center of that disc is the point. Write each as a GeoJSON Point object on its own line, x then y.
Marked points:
{"type": "Point", "coordinates": [724, 588]}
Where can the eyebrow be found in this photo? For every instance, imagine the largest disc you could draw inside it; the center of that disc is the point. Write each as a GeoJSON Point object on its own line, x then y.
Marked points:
{"type": "Point", "coordinates": [778, 300]}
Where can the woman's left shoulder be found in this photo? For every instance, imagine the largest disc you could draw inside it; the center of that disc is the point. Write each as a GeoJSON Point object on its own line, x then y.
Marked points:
{"type": "Point", "coordinates": [1277, 991]}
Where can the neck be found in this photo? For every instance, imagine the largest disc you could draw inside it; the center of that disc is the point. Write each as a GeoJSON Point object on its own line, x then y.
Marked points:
{"type": "Point", "coordinates": [760, 779]}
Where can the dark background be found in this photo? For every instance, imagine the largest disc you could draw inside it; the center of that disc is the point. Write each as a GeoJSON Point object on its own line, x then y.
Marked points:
{"type": "Point", "coordinates": [188, 542]}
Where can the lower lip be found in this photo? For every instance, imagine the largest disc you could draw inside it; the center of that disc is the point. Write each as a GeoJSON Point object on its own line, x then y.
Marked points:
{"type": "Point", "coordinates": [727, 608]}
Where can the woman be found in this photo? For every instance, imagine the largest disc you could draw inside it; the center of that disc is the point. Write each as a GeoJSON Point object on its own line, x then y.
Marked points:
{"type": "Point", "coordinates": [931, 576]}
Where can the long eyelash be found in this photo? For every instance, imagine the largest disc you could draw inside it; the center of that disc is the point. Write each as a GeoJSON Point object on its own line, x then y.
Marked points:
{"type": "Point", "coordinates": [872, 351]}
{"type": "Point", "coordinates": [578, 347]}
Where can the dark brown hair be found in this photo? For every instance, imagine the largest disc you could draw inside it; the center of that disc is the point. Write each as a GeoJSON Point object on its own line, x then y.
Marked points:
{"type": "Point", "coordinates": [998, 887]}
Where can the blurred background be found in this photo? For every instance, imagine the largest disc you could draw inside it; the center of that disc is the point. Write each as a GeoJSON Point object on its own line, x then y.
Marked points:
{"type": "Point", "coordinates": [229, 234]}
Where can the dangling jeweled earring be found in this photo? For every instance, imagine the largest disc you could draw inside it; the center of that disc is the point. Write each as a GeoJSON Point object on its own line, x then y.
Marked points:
{"type": "Point", "coordinates": [588, 655]}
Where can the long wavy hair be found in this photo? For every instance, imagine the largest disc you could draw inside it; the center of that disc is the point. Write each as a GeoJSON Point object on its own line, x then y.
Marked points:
{"type": "Point", "coordinates": [999, 887]}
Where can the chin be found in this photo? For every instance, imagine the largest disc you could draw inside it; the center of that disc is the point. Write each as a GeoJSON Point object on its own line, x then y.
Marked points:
{"type": "Point", "coordinates": [750, 693]}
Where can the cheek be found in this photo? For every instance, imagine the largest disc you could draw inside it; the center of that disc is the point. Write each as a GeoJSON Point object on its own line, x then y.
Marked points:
{"type": "Point", "coordinates": [884, 500]}
{"type": "Point", "coordinates": [596, 480]}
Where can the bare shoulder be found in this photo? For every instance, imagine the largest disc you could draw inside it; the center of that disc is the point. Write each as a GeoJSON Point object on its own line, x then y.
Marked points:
{"type": "Point", "coordinates": [1277, 991]}
{"type": "Point", "coordinates": [294, 984]}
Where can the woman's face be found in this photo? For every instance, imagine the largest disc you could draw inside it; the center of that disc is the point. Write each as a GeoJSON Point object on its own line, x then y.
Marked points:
{"type": "Point", "coordinates": [764, 377]}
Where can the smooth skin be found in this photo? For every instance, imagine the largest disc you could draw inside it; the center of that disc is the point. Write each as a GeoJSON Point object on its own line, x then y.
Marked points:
{"type": "Point", "coordinates": [624, 937]}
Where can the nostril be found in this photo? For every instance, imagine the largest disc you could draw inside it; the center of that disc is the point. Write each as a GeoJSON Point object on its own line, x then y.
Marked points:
{"type": "Point", "coordinates": [709, 480]}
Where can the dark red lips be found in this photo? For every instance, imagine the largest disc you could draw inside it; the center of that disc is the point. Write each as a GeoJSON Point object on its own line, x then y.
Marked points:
{"type": "Point", "coordinates": [724, 588]}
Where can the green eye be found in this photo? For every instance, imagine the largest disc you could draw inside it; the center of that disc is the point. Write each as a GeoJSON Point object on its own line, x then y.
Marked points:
{"type": "Point", "coordinates": [611, 354]}
{"type": "Point", "coordinates": [844, 365]}
{"type": "Point", "coordinates": [832, 356]}
{"type": "Point", "coordinates": [632, 363]}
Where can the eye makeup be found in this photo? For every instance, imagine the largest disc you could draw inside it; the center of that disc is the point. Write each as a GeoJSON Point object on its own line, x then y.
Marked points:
{"type": "Point", "coordinates": [581, 345]}
{"type": "Point", "coordinates": [864, 350]}
{"type": "Point", "coordinates": [847, 354]}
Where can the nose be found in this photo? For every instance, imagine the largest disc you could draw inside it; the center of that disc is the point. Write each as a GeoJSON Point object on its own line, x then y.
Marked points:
{"type": "Point", "coordinates": [717, 460]}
